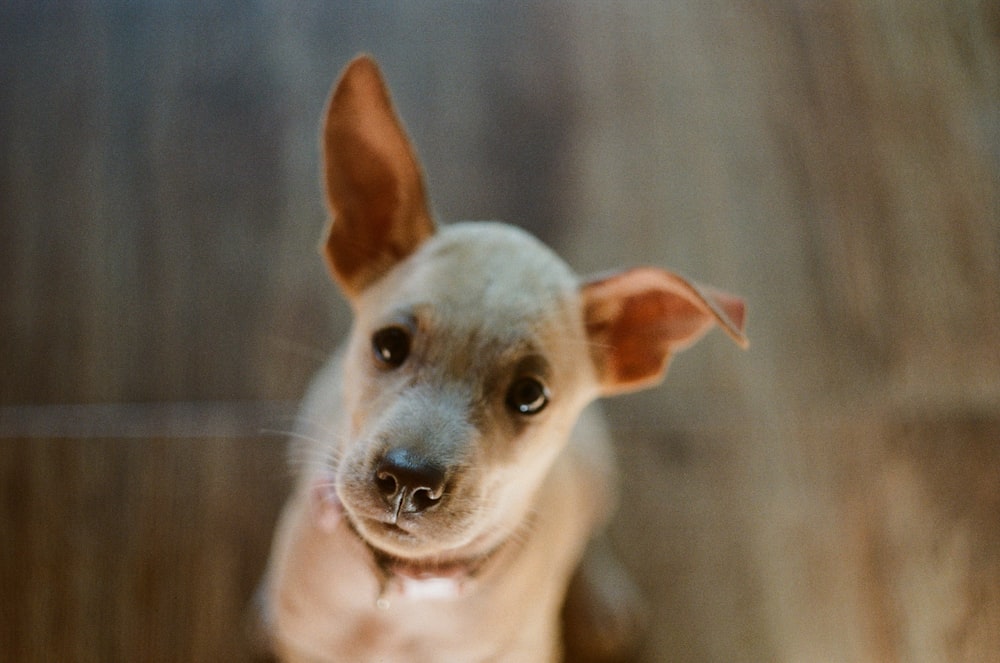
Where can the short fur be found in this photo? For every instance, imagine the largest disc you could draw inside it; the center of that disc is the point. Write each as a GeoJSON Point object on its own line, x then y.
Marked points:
{"type": "Point", "coordinates": [433, 519]}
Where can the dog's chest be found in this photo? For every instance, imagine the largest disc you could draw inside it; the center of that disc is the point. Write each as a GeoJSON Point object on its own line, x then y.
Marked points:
{"type": "Point", "coordinates": [333, 604]}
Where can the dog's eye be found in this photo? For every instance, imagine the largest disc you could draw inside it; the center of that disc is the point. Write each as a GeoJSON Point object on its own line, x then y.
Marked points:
{"type": "Point", "coordinates": [527, 396]}
{"type": "Point", "coordinates": [391, 346]}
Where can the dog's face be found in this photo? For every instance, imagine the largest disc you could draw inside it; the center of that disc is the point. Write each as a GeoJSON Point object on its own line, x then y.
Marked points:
{"type": "Point", "coordinates": [468, 363]}
{"type": "Point", "coordinates": [474, 348]}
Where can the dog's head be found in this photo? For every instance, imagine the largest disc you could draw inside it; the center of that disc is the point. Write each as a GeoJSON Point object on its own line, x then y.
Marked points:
{"type": "Point", "coordinates": [474, 347]}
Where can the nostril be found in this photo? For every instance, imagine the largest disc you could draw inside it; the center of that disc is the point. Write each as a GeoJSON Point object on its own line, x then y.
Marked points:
{"type": "Point", "coordinates": [386, 483]}
{"type": "Point", "coordinates": [423, 499]}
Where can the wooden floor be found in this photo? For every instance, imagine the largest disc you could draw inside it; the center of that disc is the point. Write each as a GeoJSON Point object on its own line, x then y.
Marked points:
{"type": "Point", "coordinates": [830, 495]}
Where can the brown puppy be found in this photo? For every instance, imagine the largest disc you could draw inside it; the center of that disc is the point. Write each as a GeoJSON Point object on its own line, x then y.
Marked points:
{"type": "Point", "coordinates": [452, 479]}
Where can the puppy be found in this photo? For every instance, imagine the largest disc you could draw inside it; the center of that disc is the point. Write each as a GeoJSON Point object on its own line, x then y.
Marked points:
{"type": "Point", "coordinates": [450, 479]}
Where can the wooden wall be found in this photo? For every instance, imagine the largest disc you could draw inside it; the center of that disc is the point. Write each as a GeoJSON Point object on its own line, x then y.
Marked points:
{"type": "Point", "coordinates": [831, 495]}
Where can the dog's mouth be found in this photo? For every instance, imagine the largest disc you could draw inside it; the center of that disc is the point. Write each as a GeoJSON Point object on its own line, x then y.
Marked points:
{"type": "Point", "coordinates": [372, 529]}
{"type": "Point", "coordinates": [411, 567]}
{"type": "Point", "coordinates": [409, 541]}
{"type": "Point", "coordinates": [391, 542]}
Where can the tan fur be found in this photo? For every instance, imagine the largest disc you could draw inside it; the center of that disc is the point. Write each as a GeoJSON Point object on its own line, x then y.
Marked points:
{"type": "Point", "coordinates": [469, 556]}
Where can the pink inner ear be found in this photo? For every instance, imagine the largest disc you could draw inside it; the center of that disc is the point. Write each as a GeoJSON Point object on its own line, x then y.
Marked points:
{"type": "Point", "coordinates": [651, 327]}
{"type": "Point", "coordinates": [374, 184]}
{"type": "Point", "coordinates": [637, 319]}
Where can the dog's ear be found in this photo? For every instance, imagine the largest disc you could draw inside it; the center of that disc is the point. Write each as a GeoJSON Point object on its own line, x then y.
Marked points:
{"type": "Point", "coordinates": [637, 319]}
{"type": "Point", "coordinates": [374, 186]}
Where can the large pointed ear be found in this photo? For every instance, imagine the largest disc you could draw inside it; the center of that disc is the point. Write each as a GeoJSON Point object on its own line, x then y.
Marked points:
{"type": "Point", "coordinates": [374, 186]}
{"type": "Point", "coordinates": [637, 319]}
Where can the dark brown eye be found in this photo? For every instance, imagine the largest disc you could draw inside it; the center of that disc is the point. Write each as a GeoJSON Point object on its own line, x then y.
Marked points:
{"type": "Point", "coordinates": [527, 396]}
{"type": "Point", "coordinates": [391, 346]}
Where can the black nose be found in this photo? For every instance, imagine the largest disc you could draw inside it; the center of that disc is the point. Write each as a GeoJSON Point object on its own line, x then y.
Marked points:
{"type": "Point", "coordinates": [408, 482]}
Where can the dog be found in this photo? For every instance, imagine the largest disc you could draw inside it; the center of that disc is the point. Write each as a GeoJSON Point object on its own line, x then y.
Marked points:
{"type": "Point", "coordinates": [452, 485]}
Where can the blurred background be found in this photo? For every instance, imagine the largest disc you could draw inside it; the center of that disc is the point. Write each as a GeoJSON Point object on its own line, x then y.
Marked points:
{"type": "Point", "coordinates": [831, 495]}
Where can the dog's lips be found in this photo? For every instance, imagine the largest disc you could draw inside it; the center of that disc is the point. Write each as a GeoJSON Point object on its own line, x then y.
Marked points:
{"type": "Point", "coordinates": [415, 571]}
{"type": "Point", "coordinates": [396, 540]}
{"type": "Point", "coordinates": [383, 529]}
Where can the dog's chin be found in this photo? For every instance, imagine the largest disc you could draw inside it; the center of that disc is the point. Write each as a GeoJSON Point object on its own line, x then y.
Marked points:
{"type": "Point", "coordinates": [397, 541]}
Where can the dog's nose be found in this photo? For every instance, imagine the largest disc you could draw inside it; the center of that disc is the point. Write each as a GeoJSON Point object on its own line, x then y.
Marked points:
{"type": "Point", "coordinates": [408, 482]}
